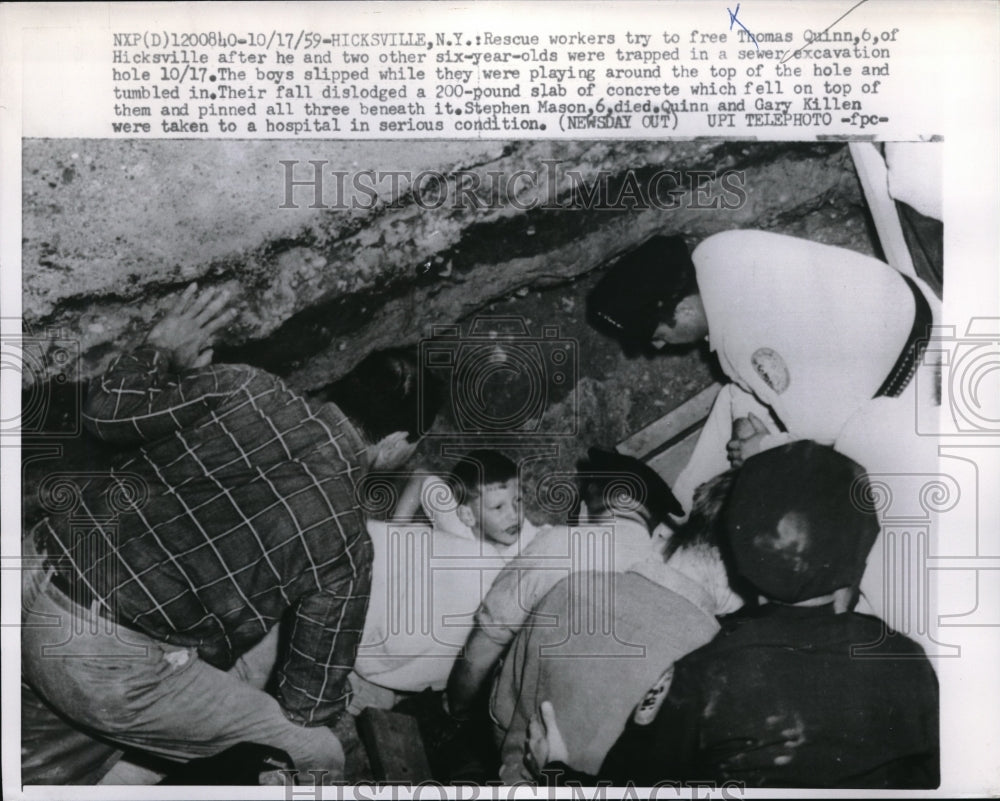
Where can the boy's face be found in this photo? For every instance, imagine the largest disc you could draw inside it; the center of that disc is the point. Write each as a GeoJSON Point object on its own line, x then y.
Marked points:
{"type": "Point", "coordinates": [495, 512]}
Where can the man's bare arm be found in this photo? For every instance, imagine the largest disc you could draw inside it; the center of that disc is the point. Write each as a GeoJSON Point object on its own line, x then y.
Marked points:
{"type": "Point", "coordinates": [471, 672]}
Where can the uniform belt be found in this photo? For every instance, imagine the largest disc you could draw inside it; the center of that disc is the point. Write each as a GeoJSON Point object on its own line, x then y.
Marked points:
{"type": "Point", "coordinates": [913, 350]}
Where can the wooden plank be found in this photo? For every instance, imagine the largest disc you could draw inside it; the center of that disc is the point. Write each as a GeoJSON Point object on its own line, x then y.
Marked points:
{"type": "Point", "coordinates": [874, 177]}
{"type": "Point", "coordinates": [672, 427]}
{"type": "Point", "coordinates": [670, 462]}
{"type": "Point", "coordinates": [395, 748]}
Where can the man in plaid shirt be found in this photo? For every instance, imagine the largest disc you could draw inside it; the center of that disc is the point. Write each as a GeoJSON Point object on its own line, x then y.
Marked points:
{"type": "Point", "coordinates": [233, 508]}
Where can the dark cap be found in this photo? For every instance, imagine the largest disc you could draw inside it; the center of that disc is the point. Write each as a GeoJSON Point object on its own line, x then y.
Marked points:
{"type": "Point", "coordinates": [642, 290]}
{"type": "Point", "coordinates": [611, 473]}
{"type": "Point", "coordinates": [800, 521]}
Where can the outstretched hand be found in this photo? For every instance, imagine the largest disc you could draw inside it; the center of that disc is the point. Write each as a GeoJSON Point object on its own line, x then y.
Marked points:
{"type": "Point", "coordinates": [545, 742]}
{"type": "Point", "coordinates": [187, 331]}
{"type": "Point", "coordinates": [748, 436]}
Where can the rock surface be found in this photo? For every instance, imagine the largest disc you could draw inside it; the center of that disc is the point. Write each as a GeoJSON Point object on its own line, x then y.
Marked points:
{"type": "Point", "coordinates": [114, 230]}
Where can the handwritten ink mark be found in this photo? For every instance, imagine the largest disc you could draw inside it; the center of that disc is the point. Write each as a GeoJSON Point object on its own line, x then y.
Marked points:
{"type": "Point", "coordinates": [838, 19]}
{"type": "Point", "coordinates": [732, 19]}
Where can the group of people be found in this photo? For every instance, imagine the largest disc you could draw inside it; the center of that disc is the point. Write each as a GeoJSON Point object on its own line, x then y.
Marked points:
{"type": "Point", "coordinates": [706, 632]}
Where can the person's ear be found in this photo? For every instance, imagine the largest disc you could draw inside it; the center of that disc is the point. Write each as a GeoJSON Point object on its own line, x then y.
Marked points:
{"type": "Point", "coordinates": [465, 516]}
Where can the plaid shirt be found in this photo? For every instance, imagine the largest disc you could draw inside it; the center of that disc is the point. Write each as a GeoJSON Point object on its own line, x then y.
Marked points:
{"type": "Point", "coordinates": [242, 507]}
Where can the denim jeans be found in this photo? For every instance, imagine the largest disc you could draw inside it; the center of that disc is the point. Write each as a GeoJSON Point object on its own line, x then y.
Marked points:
{"type": "Point", "coordinates": [140, 693]}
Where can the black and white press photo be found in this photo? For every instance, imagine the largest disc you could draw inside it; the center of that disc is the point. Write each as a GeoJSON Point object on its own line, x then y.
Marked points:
{"type": "Point", "coordinates": [509, 399]}
{"type": "Point", "coordinates": [494, 462]}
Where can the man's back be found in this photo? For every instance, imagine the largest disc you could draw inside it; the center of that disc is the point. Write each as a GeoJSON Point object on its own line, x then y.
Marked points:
{"type": "Point", "coordinates": [594, 644]}
{"type": "Point", "coordinates": [555, 553]}
{"type": "Point", "coordinates": [810, 329]}
{"type": "Point", "coordinates": [777, 699]}
{"type": "Point", "coordinates": [249, 510]}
